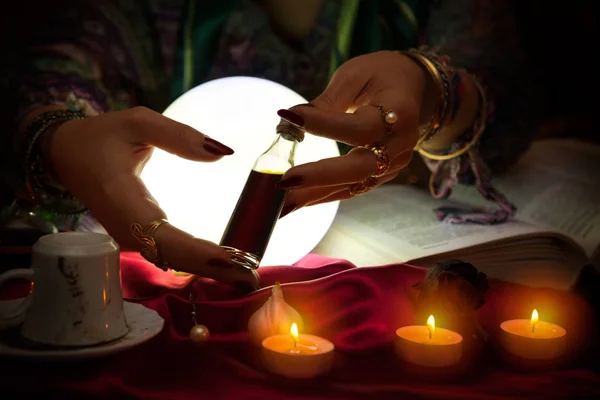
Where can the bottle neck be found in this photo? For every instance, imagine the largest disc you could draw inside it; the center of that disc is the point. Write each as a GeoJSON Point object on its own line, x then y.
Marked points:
{"type": "Point", "coordinates": [279, 157]}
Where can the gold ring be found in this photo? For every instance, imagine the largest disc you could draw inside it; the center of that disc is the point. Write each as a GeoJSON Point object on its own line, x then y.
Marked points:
{"type": "Point", "coordinates": [389, 118]}
{"type": "Point", "coordinates": [145, 235]}
{"type": "Point", "coordinates": [383, 158]}
{"type": "Point", "coordinates": [363, 186]}
{"type": "Point", "coordinates": [242, 258]}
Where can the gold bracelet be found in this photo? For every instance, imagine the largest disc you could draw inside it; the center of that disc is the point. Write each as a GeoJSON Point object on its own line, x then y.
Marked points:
{"type": "Point", "coordinates": [435, 120]}
{"type": "Point", "coordinates": [480, 128]}
{"type": "Point", "coordinates": [441, 76]}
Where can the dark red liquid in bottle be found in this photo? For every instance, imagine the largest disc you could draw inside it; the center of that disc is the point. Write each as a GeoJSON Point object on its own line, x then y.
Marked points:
{"type": "Point", "coordinates": [255, 215]}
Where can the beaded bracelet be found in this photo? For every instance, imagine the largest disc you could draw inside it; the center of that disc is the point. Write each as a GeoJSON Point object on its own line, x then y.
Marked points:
{"type": "Point", "coordinates": [41, 188]}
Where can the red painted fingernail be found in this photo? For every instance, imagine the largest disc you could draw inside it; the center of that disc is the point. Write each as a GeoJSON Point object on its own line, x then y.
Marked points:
{"type": "Point", "coordinates": [218, 148]}
{"type": "Point", "coordinates": [287, 209]}
{"type": "Point", "coordinates": [292, 117]}
{"type": "Point", "coordinates": [290, 182]}
{"type": "Point", "coordinates": [220, 263]}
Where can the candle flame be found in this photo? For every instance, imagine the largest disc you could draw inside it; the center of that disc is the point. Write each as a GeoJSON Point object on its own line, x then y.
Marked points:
{"type": "Point", "coordinates": [294, 331]}
{"type": "Point", "coordinates": [431, 324]}
{"type": "Point", "coordinates": [534, 319]}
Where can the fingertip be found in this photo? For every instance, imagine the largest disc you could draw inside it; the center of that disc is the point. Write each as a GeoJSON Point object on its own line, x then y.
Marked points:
{"type": "Point", "coordinates": [287, 209]}
{"type": "Point", "coordinates": [214, 262]}
{"type": "Point", "coordinates": [303, 111]}
{"type": "Point", "coordinates": [330, 123]}
{"type": "Point", "coordinates": [216, 148]}
{"type": "Point", "coordinates": [291, 117]}
{"type": "Point", "coordinates": [290, 182]}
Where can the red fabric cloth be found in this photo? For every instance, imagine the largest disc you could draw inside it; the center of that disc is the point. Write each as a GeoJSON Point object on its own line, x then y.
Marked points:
{"type": "Point", "coordinates": [357, 309]}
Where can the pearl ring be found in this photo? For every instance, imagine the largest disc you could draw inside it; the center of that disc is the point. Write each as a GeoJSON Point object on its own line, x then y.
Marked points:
{"type": "Point", "coordinates": [389, 118]}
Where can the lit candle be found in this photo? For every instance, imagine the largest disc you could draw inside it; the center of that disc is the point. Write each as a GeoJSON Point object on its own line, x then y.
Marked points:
{"type": "Point", "coordinates": [429, 346]}
{"type": "Point", "coordinates": [533, 339]}
{"type": "Point", "coordinates": [296, 355]}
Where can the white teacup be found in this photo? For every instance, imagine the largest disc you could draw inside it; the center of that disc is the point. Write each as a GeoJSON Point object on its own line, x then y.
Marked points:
{"type": "Point", "coordinates": [77, 298]}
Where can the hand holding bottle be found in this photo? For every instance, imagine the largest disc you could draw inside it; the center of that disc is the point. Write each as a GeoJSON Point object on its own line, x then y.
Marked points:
{"type": "Point", "coordinates": [254, 218]}
{"type": "Point", "coordinates": [347, 112]}
{"type": "Point", "coordinates": [99, 160]}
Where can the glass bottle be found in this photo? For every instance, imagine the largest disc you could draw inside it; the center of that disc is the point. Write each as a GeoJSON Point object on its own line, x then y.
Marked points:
{"type": "Point", "coordinates": [257, 211]}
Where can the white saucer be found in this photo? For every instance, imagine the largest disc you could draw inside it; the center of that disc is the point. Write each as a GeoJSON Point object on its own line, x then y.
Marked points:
{"type": "Point", "coordinates": [143, 323]}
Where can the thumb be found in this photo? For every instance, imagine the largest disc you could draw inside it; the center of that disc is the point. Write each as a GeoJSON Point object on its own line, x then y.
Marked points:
{"type": "Point", "coordinates": [354, 129]}
{"type": "Point", "coordinates": [330, 114]}
{"type": "Point", "coordinates": [343, 90]}
{"type": "Point", "coordinates": [155, 129]}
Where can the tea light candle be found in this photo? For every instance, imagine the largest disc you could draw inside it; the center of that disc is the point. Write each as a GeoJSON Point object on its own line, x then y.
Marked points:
{"type": "Point", "coordinates": [429, 346]}
{"type": "Point", "coordinates": [297, 355]}
{"type": "Point", "coordinates": [534, 339]}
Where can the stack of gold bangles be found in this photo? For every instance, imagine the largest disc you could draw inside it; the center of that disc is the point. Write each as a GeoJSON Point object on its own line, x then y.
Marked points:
{"type": "Point", "coordinates": [444, 75]}
{"type": "Point", "coordinates": [442, 78]}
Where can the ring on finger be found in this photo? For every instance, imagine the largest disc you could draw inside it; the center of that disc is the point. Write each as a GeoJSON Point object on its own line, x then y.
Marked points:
{"type": "Point", "coordinates": [242, 258]}
{"type": "Point", "coordinates": [383, 157]}
{"type": "Point", "coordinates": [363, 186]}
{"type": "Point", "coordinates": [389, 118]}
{"type": "Point", "coordinates": [145, 235]}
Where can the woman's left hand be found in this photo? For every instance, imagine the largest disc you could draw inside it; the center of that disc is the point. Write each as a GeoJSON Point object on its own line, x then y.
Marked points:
{"type": "Point", "coordinates": [347, 111]}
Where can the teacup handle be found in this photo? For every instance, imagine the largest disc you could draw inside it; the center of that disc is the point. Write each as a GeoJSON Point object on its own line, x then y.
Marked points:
{"type": "Point", "coordinates": [17, 315]}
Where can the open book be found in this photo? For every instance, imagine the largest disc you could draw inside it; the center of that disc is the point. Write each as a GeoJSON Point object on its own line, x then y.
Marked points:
{"type": "Point", "coordinates": [556, 187]}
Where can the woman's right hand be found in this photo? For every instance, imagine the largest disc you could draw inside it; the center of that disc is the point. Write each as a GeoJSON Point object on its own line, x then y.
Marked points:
{"type": "Point", "coordinates": [99, 160]}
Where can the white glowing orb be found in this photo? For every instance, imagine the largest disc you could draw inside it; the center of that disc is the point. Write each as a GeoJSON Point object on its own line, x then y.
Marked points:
{"type": "Point", "coordinates": [199, 198]}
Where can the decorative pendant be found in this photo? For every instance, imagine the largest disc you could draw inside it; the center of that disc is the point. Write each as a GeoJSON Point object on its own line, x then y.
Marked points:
{"type": "Point", "coordinates": [391, 118]}
{"type": "Point", "coordinates": [199, 334]}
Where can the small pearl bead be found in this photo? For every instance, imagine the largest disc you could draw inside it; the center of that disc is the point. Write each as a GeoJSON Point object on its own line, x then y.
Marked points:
{"type": "Point", "coordinates": [391, 118]}
{"type": "Point", "coordinates": [199, 334]}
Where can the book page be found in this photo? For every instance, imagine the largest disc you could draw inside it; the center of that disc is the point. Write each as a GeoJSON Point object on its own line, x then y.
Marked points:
{"type": "Point", "coordinates": [396, 223]}
{"type": "Point", "coordinates": [555, 186]}
{"type": "Point", "coordinates": [540, 260]}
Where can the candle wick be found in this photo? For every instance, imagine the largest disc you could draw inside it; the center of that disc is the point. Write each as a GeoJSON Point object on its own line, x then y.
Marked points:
{"type": "Point", "coordinates": [429, 333]}
{"type": "Point", "coordinates": [532, 328]}
{"type": "Point", "coordinates": [295, 343]}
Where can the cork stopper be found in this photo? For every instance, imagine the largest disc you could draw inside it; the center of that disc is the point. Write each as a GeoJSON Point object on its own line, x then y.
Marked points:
{"type": "Point", "coordinates": [290, 131]}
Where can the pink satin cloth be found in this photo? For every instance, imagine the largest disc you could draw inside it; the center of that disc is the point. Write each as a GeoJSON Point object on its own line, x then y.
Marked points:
{"type": "Point", "coordinates": [358, 309]}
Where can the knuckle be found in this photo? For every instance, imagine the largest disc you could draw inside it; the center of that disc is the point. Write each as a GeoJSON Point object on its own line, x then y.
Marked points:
{"type": "Point", "coordinates": [324, 101]}
{"type": "Point", "coordinates": [137, 114]}
{"type": "Point", "coordinates": [351, 71]}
